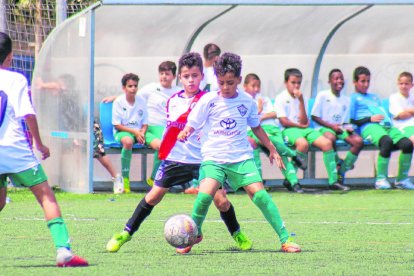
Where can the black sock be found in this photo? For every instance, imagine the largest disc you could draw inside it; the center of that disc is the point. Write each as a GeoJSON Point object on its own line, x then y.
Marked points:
{"type": "Point", "coordinates": [141, 212]}
{"type": "Point", "coordinates": [230, 220]}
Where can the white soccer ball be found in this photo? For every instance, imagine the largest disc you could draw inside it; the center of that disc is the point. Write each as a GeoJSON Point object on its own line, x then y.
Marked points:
{"type": "Point", "coordinates": [180, 231]}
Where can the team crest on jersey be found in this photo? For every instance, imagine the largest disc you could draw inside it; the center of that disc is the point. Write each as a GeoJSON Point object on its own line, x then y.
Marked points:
{"type": "Point", "coordinates": [242, 109]}
{"type": "Point", "coordinates": [336, 118]}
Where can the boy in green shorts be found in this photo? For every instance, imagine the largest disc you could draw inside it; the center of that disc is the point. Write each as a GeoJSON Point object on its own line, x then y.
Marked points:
{"type": "Point", "coordinates": [331, 114]}
{"type": "Point", "coordinates": [226, 114]}
{"type": "Point", "coordinates": [291, 107]}
{"type": "Point", "coordinates": [130, 120]}
{"type": "Point", "coordinates": [375, 125]}
{"type": "Point", "coordinates": [267, 115]}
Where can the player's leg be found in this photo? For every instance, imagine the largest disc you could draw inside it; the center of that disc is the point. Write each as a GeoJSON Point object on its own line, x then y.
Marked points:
{"type": "Point", "coordinates": [3, 191]}
{"type": "Point", "coordinates": [256, 150]}
{"type": "Point", "coordinates": [404, 163]}
{"type": "Point", "coordinates": [153, 138]}
{"type": "Point", "coordinates": [356, 142]}
{"type": "Point", "coordinates": [127, 140]}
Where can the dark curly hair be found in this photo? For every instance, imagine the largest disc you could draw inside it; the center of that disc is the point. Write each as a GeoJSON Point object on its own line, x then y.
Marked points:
{"type": "Point", "coordinates": [190, 59]}
{"type": "Point", "coordinates": [5, 46]}
{"type": "Point", "coordinates": [228, 63]}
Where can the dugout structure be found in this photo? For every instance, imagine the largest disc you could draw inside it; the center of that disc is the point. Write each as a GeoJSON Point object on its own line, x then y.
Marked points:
{"type": "Point", "coordinates": [88, 53]}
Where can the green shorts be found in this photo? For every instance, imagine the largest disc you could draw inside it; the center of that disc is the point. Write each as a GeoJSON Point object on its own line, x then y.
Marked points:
{"type": "Point", "coordinates": [271, 131]}
{"type": "Point", "coordinates": [408, 131]}
{"type": "Point", "coordinates": [27, 178]}
{"type": "Point", "coordinates": [153, 132]}
{"type": "Point", "coordinates": [341, 136]}
{"type": "Point", "coordinates": [294, 133]}
{"type": "Point", "coordinates": [375, 132]}
{"type": "Point", "coordinates": [122, 134]}
{"type": "Point", "coordinates": [238, 174]}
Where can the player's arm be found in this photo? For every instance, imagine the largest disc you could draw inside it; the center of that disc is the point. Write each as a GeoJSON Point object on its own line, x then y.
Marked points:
{"type": "Point", "coordinates": [406, 114]}
{"type": "Point", "coordinates": [31, 122]}
{"type": "Point", "coordinates": [335, 127]}
{"type": "Point", "coordinates": [269, 115]}
{"type": "Point", "coordinates": [185, 133]}
{"type": "Point", "coordinates": [302, 116]}
{"type": "Point", "coordinates": [109, 99]}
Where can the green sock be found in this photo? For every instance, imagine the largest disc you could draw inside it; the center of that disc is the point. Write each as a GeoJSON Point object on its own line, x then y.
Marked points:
{"type": "Point", "coordinates": [330, 165]}
{"type": "Point", "coordinates": [382, 167]}
{"type": "Point", "coordinates": [59, 232]}
{"type": "Point", "coordinates": [200, 209]}
{"type": "Point", "coordinates": [155, 165]}
{"type": "Point", "coordinates": [290, 172]}
{"type": "Point", "coordinates": [281, 148]}
{"type": "Point", "coordinates": [349, 162]}
{"type": "Point", "coordinates": [404, 163]}
{"type": "Point", "coordinates": [264, 202]}
{"type": "Point", "coordinates": [126, 156]}
{"type": "Point", "coordinates": [256, 156]}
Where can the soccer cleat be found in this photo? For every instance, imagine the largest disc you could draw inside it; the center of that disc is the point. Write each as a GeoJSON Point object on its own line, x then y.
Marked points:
{"type": "Point", "coordinates": [118, 184]}
{"type": "Point", "coordinates": [300, 162]}
{"type": "Point", "coordinates": [287, 185]}
{"type": "Point", "coordinates": [150, 182]}
{"type": "Point", "coordinates": [341, 178]}
{"type": "Point", "coordinates": [187, 249]}
{"type": "Point", "coordinates": [405, 184]}
{"type": "Point", "coordinates": [191, 191]}
{"type": "Point", "coordinates": [65, 258]}
{"type": "Point", "coordinates": [117, 241]}
{"type": "Point", "coordinates": [290, 247]}
{"type": "Point", "coordinates": [339, 187]}
{"type": "Point", "coordinates": [242, 241]}
{"type": "Point", "coordinates": [297, 188]}
{"type": "Point", "coordinates": [127, 187]}
{"type": "Point", "coordinates": [382, 184]}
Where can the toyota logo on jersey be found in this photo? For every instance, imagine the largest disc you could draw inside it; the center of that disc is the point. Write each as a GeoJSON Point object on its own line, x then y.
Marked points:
{"type": "Point", "coordinates": [228, 123]}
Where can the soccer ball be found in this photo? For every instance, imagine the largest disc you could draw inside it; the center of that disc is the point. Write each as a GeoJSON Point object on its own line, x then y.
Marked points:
{"type": "Point", "coordinates": [180, 231]}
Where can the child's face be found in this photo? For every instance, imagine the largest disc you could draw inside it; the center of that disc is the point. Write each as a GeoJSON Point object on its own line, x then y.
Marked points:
{"type": "Point", "coordinates": [191, 78]}
{"type": "Point", "coordinates": [166, 78]}
{"type": "Point", "coordinates": [362, 84]}
{"type": "Point", "coordinates": [337, 81]}
{"type": "Point", "coordinates": [130, 88]}
{"type": "Point", "coordinates": [405, 84]}
{"type": "Point", "coordinates": [228, 85]}
{"type": "Point", "coordinates": [252, 87]}
{"type": "Point", "coordinates": [293, 83]}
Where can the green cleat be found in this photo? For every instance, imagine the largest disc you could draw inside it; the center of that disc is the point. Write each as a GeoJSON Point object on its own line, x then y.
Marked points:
{"type": "Point", "coordinates": [242, 241]}
{"type": "Point", "coordinates": [117, 241]}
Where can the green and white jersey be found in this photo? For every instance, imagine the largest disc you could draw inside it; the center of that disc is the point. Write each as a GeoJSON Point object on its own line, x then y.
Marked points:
{"type": "Point", "coordinates": [288, 107]}
{"type": "Point", "coordinates": [132, 116]}
{"type": "Point", "coordinates": [399, 103]}
{"type": "Point", "coordinates": [225, 123]}
{"type": "Point", "coordinates": [330, 108]}
{"type": "Point", "coordinates": [156, 98]}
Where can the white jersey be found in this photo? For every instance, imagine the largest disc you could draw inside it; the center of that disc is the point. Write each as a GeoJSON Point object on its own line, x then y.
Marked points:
{"type": "Point", "coordinates": [132, 116]}
{"type": "Point", "coordinates": [288, 107]}
{"type": "Point", "coordinates": [209, 78]}
{"type": "Point", "coordinates": [15, 151]}
{"type": "Point", "coordinates": [187, 152]}
{"type": "Point", "coordinates": [330, 108]}
{"type": "Point", "coordinates": [156, 98]}
{"type": "Point", "coordinates": [225, 124]}
{"type": "Point", "coordinates": [399, 103]}
{"type": "Point", "coordinates": [267, 108]}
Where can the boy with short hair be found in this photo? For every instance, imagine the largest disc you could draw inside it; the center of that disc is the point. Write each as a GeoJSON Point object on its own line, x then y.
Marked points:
{"type": "Point", "coordinates": [225, 116]}
{"type": "Point", "coordinates": [291, 108]}
{"type": "Point", "coordinates": [331, 114]}
{"type": "Point", "coordinates": [181, 160]}
{"type": "Point", "coordinates": [21, 165]}
{"type": "Point", "coordinates": [130, 120]}
{"type": "Point", "coordinates": [211, 53]}
{"type": "Point", "coordinates": [375, 125]}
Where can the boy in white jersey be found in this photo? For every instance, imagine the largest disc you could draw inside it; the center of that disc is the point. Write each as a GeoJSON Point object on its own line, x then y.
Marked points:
{"type": "Point", "coordinates": [181, 160]}
{"type": "Point", "coordinates": [331, 114]}
{"type": "Point", "coordinates": [225, 116]}
{"type": "Point", "coordinates": [130, 120]}
{"type": "Point", "coordinates": [402, 106]}
{"type": "Point", "coordinates": [211, 53]}
{"type": "Point", "coordinates": [267, 115]}
{"type": "Point", "coordinates": [291, 108]}
{"type": "Point", "coordinates": [19, 162]}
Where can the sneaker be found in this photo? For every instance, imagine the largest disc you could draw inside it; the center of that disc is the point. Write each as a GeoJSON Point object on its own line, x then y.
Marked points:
{"type": "Point", "coordinates": [65, 258]}
{"type": "Point", "coordinates": [118, 184]}
{"type": "Point", "coordinates": [339, 187]}
{"type": "Point", "coordinates": [287, 185]}
{"type": "Point", "coordinates": [117, 241]}
{"type": "Point", "coordinates": [127, 187]}
{"type": "Point", "coordinates": [191, 191]}
{"type": "Point", "coordinates": [242, 241]}
{"type": "Point", "coordinates": [290, 247]}
{"type": "Point", "coordinates": [300, 162]}
{"type": "Point", "coordinates": [405, 184]}
{"type": "Point", "coordinates": [297, 188]}
{"type": "Point", "coordinates": [341, 178]}
{"type": "Point", "coordinates": [187, 249]}
{"type": "Point", "coordinates": [150, 182]}
{"type": "Point", "coordinates": [382, 184]}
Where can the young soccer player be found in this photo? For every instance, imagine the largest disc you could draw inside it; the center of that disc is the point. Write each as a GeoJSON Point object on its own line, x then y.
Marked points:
{"type": "Point", "coordinates": [19, 162]}
{"type": "Point", "coordinates": [130, 120]}
{"type": "Point", "coordinates": [331, 114]}
{"type": "Point", "coordinates": [182, 160]}
{"type": "Point", "coordinates": [211, 53]}
{"type": "Point", "coordinates": [267, 117]}
{"type": "Point", "coordinates": [226, 115]}
{"type": "Point", "coordinates": [375, 125]}
{"type": "Point", "coordinates": [291, 108]}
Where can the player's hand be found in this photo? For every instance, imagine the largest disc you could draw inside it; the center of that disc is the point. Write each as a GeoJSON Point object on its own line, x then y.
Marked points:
{"type": "Point", "coordinates": [182, 136]}
{"type": "Point", "coordinates": [304, 125]}
{"type": "Point", "coordinates": [140, 136]}
{"type": "Point", "coordinates": [44, 151]}
{"type": "Point", "coordinates": [275, 157]}
{"type": "Point", "coordinates": [377, 118]}
{"type": "Point", "coordinates": [338, 129]}
{"type": "Point", "coordinates": [260, 104]}
{"type": "Point", "coordinates": [109, 99]}
{"type": "Point", "coordinates": [297, 93]}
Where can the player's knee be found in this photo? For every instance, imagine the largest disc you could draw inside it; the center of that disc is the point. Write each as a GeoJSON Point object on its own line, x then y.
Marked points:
{"type": "Point", "coordinates": [302, 145]}
{"type": "Point", "coordinates": [405, 145]}
{"type": "Point", "coordinates": [222, 203]}
{"type": "Point", "coordinates": [331, 137]}
{"type": "Point", "coordinates": [385, 145]}
{"type": "Point", "coordinates": [325, 144]}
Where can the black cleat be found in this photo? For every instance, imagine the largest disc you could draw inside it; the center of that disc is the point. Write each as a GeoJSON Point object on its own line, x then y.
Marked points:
{"type": "Point", "coordinates": [287, 185]}
{"type": "Point", "coordinates": [338, 187]}
{"type": "Point", "coordinates": [300, 162]}
{"type": "Point", "coordinates": [298, 189]}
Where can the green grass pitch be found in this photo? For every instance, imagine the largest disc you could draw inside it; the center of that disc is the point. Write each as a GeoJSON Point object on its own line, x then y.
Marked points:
{"type": "Point", "coordinates": [364, 232]}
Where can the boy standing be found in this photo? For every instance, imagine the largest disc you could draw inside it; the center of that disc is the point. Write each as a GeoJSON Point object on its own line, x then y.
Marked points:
{"type": "Point", "coordinates": [225, 116]}
{"type": "Point", "coordinates": [211, 53]}
{"type": "Point", "coordinates": [130, 120]}
{"type": "Point", "coordinates": [22, 167]}
{"type": "Point", "coordinates": [181, 160]}
{"type": "Point", "coordinates": [291, 108]}
{"type": "Point", "coordinates": [375, 125]}
{"type": "Point", "coordinates": [331, 114]}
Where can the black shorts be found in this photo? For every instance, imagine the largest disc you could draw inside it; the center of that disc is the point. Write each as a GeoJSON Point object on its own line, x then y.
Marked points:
{"type": "Point", "coordinates": [173, 173]}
